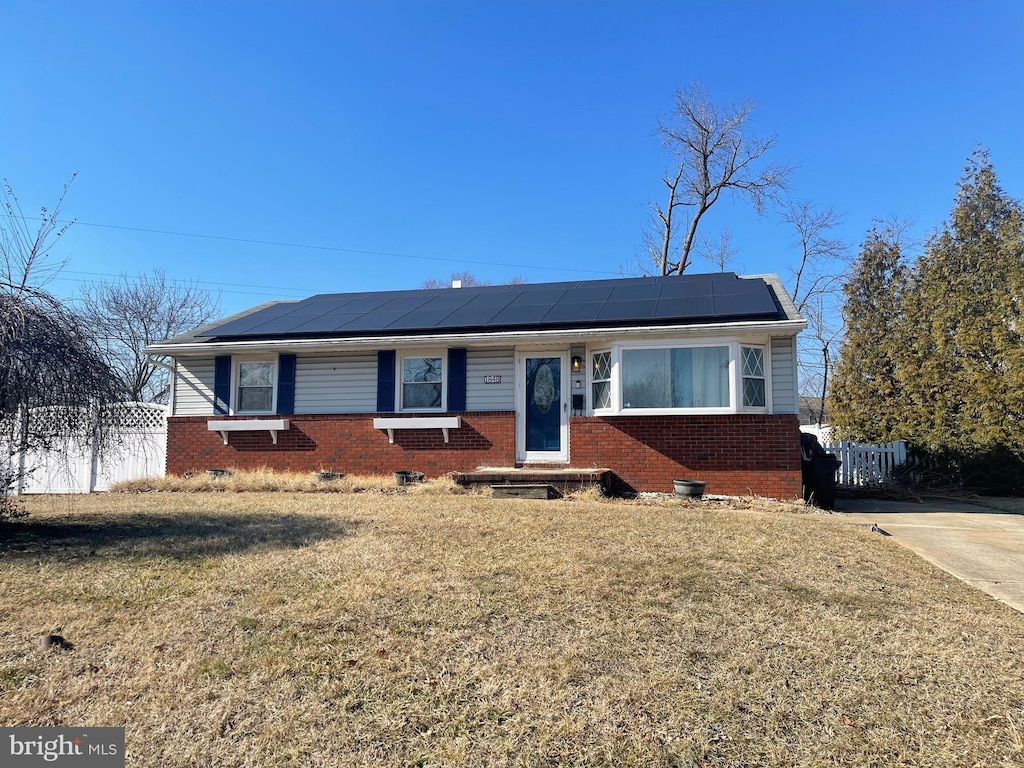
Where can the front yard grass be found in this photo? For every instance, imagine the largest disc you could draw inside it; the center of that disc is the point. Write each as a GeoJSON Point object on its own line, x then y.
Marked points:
{"type": "Point", "coordinates": [247, 629]}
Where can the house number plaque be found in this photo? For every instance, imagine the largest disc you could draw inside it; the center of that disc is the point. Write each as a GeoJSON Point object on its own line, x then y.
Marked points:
{"type": "Point", "coordinates": [492, 379]}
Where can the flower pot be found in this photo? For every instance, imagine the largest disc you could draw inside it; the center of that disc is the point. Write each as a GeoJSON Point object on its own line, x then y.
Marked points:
{"type": "Point", "coordinates": [689, 488]}
{"type": "Point", "coordinates": [408, 477]}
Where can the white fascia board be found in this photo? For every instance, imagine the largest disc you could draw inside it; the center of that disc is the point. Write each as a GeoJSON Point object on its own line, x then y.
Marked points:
{"type": "Point", "coordinates": [774, 328]}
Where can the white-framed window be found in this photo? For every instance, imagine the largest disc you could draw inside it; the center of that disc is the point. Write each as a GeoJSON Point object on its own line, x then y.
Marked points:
{"type": "Point", "coordinates": [754, 383]}
{"type": "Point", "coordinates": [601, 380]}
{"type": "Point", "coordinates": [421, 385]}
{"type": "Point", "coordinates": [676, 377]}
{"type": "Point", "coordinates": [255, 386]}
{"type": "Point", "coordinates": [665, 376]}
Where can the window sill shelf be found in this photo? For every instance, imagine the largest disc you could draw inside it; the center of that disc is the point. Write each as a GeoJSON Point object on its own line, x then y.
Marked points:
{"type": "Point", "coordinates": [273, 426]}
{"type": "Point", "coordinates": [444, 423]}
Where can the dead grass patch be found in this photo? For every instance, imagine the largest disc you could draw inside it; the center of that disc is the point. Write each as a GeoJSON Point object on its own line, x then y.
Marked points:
{"type": "Point", "coordinates": [307, 629]}
{"type": "Point", "coordinates": [271, 481]}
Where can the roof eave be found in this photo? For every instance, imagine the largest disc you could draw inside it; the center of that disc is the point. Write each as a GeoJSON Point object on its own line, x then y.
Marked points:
{"type": "Point", "coordinates": [772, 327]}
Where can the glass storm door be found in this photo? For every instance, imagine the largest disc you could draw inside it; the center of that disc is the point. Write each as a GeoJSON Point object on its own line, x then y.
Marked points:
{"type": "Point", "coordinates": [543, 412]}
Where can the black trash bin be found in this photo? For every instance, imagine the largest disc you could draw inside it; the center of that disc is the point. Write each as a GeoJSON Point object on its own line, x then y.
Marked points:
{"type": "Point", "coordinates": [818, 472]}
{"type": "Point", "coordinates": [825, 468]}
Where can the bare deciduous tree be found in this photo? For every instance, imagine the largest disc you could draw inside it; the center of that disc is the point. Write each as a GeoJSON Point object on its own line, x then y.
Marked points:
{"type": "Point", "coordinates": [133, 312]}
{"type": "Point", "coordinates": [466, 279]}
{"type": "Point", "coordinates": [718, 252]}
{"type": "Point", "coordinates": [714, 153]}
{"type": "Point", "coordinates": [822, 259]}
{"type": "Point", "coordinates": [25, 263]}
{"type": "Point", "coordinates": [816, 285]}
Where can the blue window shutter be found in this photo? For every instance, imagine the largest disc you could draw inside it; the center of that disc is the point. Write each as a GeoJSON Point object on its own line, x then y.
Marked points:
{"type": "Point", "coordinates": [286, 384]}
{"type": "Point", "coordinates": [456, 379]}
{"type": "Point", "coordinates": [386, 381]}
{"type": "Point", "coordinates": [221, 384]}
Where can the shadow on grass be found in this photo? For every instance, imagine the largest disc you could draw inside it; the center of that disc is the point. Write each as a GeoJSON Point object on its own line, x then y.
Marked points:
{"type": "Point", "coordinates": [184, 536]}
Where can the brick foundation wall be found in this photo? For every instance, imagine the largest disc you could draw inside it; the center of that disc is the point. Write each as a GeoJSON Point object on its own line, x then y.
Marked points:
{"type": "Point", "coordinates": [347, 443]}
{"type": "Point", "coordinates": [735, 455]}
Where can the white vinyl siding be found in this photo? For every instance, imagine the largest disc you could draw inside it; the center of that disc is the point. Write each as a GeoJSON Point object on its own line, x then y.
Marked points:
{"type": "Point", "coordinates": [193, 387]}
{"type": "Point", "coordinates": [347, 383]}
{"type": "Point", "coordinates": [481, 396]}
{"type": "Point", "coordinates": [783, 378]}
{"type": "Point", "coordinates": [336, 384]}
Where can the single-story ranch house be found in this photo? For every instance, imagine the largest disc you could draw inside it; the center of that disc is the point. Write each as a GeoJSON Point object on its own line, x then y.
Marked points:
{"type": "Point", "coordinates": [654, 378]}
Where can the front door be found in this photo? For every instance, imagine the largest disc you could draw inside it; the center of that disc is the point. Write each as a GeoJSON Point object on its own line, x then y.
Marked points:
{"type": "Point", "coordinates": [542, 415]}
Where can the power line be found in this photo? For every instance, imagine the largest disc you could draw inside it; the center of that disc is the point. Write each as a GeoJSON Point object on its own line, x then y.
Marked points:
{"type": "Point", "coordinates": [276, 292]}
{"type": "Point", "coordinates": [277, 289]}
{"type": "Point", "coordinates": [334, 249]}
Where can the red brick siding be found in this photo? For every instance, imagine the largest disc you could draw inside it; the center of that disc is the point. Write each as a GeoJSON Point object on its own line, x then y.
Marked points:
{"type": "Point", "coordinates": [347, 443]}
{"type": "Point", "coordinates": [736, 455]}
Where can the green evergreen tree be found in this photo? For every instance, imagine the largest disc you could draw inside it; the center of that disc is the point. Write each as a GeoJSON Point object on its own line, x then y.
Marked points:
{"type": "Point", "coordinates": [866, 389]}
{"type": "Point", "coordinates": [962, 363]}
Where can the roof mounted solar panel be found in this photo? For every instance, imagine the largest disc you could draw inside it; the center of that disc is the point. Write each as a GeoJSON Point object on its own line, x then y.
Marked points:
{"type": "Point", "coordinates": [684, 308]}
{"type": "Point", "coordinates": [752, 300]}
{"type": "Point", "coordinates": [520, 315]}
{"type": "Point", "coordinates": [256, 319]}
{"type": "Point", "coordinates": [586, 293]}
{"type": "Point", "coordinates": [331, 323]}
{"type": "Point", "coordinates": [422, 319]}
{"type": "Point", "coordinates": [581, 312]}
{"type": "Point", "coordinates": [628, 310]}
{"type": "Point", "coordinates": [277, 325]}
{"type": "Point", "coordinates": [695, 286]}
{"type": "Point", "coordinates": [672, 299]}
{"type": "Point", "coordinates": [635, 291]}
{"type": "Point", "coordinates": [539, 298]}
{"type": "Point", "coordinates": [451, 299]}
{"type": "Point", "coordinates": [373, 321]}
{"type": "Point", "coordinates": [405, 303]}
{"type": "Point", "coordinates": [477, 311]}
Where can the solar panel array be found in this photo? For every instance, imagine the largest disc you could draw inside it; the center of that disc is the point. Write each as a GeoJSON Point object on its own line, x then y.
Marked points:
{"type": "Point", "coordinates": [593, 303]}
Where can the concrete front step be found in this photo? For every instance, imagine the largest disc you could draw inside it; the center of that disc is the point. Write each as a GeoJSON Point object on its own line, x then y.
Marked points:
{"type": "Point", "coordinates": [562, 480]}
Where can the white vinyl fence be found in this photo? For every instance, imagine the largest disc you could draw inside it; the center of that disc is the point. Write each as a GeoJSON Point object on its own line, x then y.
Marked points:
{"type": "Point", "coordinates": [866, 463]}
{"type": "Point", "coordinates": [138, 449]}
{"type": "Point", "coordinates": [862, 464]}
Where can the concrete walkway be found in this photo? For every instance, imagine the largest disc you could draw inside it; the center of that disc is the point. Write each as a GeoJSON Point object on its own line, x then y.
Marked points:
{"type": "Point", "coordinates": [982, 546]}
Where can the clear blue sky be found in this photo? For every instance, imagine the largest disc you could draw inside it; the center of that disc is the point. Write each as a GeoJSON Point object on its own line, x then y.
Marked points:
{"type": "Point", "coordinates": [506, 138]}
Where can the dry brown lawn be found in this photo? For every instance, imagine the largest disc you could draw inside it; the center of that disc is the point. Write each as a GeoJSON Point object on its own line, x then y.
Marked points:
{"type": "Point", "coordinates": [374, 629]}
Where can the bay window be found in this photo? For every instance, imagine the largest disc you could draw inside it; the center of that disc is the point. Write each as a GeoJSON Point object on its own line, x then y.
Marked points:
{"type": "Point", "coordinates": [753, 376]}
{"type": "Point", "coordinates": [601, 380]}
{"type": "Point", "coordinates": [675, 377]}
{"type": "Point", "coordinates": [723, 377]}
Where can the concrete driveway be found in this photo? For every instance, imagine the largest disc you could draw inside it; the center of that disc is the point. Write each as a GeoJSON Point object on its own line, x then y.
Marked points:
{"type": "Point", "coordinates": [982, 546]}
